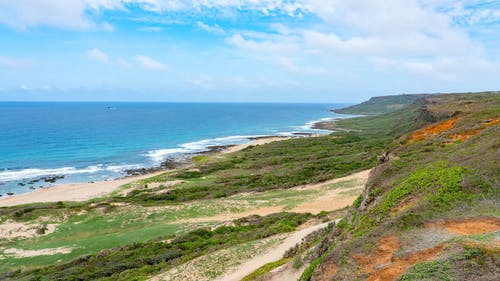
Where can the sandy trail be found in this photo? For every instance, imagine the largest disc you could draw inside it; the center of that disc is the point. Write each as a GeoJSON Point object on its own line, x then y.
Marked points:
{"type": "Point", "coordinates": [71, 192]}
{"type": "Point", "coordinates": [272, 255]}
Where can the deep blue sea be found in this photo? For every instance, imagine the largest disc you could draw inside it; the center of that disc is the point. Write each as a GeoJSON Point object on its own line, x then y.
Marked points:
{"type": "Point", "coordinates": [97, 141]}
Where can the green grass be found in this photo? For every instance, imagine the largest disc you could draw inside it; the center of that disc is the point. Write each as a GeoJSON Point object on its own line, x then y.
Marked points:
{"type": "Point", "coordinates": [429, 271]}
{"type": "Point", "coordinates": [140, 260]}
{"type": "Point", "coordinates": [380, 105]}
{"type": "Point", "coordinates": [261, 271]}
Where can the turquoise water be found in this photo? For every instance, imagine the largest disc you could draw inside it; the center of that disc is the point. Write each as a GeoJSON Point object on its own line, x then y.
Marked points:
{"type": "Point", "coordinates": [96, 141]}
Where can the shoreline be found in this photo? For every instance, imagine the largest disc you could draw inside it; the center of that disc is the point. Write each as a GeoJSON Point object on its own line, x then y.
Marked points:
{"type": "Point", "coordinates": [79, 192]}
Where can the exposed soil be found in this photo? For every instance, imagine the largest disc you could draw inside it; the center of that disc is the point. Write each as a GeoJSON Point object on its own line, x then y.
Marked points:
{"type": "Point", "coordinates": [403, 205]}
{"type": "Point", "coordinates": [433, 130]}
{"type": "Point", "coordinates": [12, 229]}
{"type": "Point", "coordinates": [384, 265]}
{"type": "Point", "coordinates": [470, 226]}
{"type": "Point", "coordinates": [470, 133]}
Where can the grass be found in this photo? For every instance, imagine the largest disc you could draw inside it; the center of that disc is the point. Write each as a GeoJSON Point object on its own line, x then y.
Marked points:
{"type": "Point", "coordinates": [261, 271]}
{"type": "Point", "coordinates": [213, 265]}
{"type": "Point", "coordinates": [379, 105]}
{"type": "Point", "coordinates": [94, 231]}
{"type": "Point", "coordinates": [140, 260]}
{"type": "Point", "coordinates": [429, 271]}
{"type": "Point", "coordinates": [423, 181]}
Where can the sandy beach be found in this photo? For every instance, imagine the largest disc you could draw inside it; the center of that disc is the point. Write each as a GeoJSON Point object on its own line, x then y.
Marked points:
{"type": "Point", "coordinates": [86, 191]}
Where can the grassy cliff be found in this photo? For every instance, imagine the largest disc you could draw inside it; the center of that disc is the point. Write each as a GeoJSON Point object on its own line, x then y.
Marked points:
{"type": "Point", "coordinates": [430, 208]}
{"type": "Point", "coordinates": [380, 105]}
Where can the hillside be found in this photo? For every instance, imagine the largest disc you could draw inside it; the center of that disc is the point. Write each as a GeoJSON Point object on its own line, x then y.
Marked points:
{"type": "Point", "coordinates": [380, 105]}
{"type": "Point", "coordinates": [430, 208]}
{"type": "Point", "coordinates": [414, 194]}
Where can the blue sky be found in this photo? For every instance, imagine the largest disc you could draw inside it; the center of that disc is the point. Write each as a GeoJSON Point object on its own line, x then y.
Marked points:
{"type": "Point", "coordinates": [245, 50]}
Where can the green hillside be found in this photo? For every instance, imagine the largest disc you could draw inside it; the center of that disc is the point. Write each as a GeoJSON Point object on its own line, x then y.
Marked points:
{"type": "Point", "coordinates": [379, 105]}
{"type": "Point", "coordinates": [430, 208]}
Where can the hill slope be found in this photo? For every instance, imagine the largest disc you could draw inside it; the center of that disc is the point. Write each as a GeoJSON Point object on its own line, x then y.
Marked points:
{"type": "Point", "coordinates": [430, 208]}
{"type": "Point", "coordinates": [380, 105]}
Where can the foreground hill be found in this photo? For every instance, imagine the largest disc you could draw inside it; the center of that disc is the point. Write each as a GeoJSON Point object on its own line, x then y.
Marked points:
{"type": "Point", "coordinates": [430, 208]}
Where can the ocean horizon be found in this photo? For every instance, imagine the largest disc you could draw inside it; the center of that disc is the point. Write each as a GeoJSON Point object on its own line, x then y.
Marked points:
{"type": "Point", "coordinates": [92, 141]}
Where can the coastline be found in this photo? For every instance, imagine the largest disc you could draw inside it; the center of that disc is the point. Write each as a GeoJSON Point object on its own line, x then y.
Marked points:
{"type": "Point", "coordinates": [85, 191]}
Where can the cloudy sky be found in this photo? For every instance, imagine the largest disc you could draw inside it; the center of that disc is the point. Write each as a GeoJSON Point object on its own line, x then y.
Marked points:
{"type": "Point", "coordinates": [245, 50]}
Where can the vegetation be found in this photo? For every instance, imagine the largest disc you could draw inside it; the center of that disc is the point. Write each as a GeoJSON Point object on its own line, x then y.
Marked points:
{"type": "Point", "coordinates": [140, 260]}
{"type": "Point", "coordinates": [160, 223]}
{"type": "Point", "coordinates": [448, 175]}
{"type": "Point", "coordinates": [380, 105]}
{"type": "Point", "coordinates": [261, 271]}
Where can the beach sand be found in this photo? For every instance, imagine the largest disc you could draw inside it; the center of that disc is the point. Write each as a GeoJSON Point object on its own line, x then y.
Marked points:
{"type": "Point", "coordinates": [86, 191]}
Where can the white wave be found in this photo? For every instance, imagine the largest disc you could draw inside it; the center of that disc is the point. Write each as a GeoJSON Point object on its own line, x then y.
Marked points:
{"type": "Point", "coordinates": [160, 155]}
{"type": "Point", "coordinates": [33, 173]}
{"type": "Point", "coordinates": [121, 168]}
{"type": "Point", "coordinates": [309, 125]}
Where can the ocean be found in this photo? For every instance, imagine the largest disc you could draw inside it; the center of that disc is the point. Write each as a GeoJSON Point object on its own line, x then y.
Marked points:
{"type": "Point", "coordinates": [87, 141]}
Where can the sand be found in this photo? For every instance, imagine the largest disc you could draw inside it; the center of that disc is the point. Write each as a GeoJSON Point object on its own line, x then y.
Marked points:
{"type": "Point", "coordinates": [258, 141]}
{"type": "Point", "coordinates": [71, 192]}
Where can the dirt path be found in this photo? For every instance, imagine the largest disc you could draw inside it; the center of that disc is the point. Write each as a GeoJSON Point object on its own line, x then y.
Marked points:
{"type": "Point", "coordinates": [273, 255]}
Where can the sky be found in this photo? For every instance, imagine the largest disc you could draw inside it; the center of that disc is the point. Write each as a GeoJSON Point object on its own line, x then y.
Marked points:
{"type": "Point", "coordinates": [245, 50]}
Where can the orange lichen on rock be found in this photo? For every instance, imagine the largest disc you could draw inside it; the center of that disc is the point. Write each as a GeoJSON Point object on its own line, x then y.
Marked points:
{"type": "Point", "coordinates": [470, 133]}
{"type": "Point", "coordinates": [433, 130]}
{"type": "Point", "coordinates": [470, 226]}
{"type": "Point", "coordinates": [383, 265]}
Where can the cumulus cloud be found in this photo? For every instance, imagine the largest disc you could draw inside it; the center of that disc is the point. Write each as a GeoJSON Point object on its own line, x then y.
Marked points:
{"type": "Point", "coordinates": [149, 63]}
{"type": "Point", "coordinates": [417, 36]}
{"type": "Point", "coordinates": [210, 28]}
{"type": "Point", "coordinates": [97, 55]}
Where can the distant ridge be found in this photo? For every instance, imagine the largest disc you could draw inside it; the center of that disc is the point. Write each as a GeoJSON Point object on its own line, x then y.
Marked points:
{"type": "Point", "coordinates": [380, 105]}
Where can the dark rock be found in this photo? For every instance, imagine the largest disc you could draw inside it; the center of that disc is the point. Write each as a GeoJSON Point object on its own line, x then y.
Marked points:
{"type": "Point", "coordinates": [21, 184]}
{"type": "Point", "coordinates": [10, 193]}
{"type": "Point", "coordinates": [52, 179]}
{"type": "Point", "coordinates": [218, 148]}
{"type": "Point", "coordinates": [32, 187]}
{"type": "Point", "coordinates": [384, 158]}
{"type": "Point", "coordinates": [33, 181]}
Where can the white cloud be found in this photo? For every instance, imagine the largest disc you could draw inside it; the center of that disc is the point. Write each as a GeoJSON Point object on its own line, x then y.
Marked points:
{"type": "Point", "coordinates": [202, 81]}
{"type": "Point", "coordinates": [107, 26]}
{"type": "Point", "coordinates": [149, 63]}
{"type": "Point", "coordinates": [123, 63]}
{"type": "Point", "coordinates": [216, 29]}
{"type": "Point", "coordinates": [152, 28]}
{"type": "Point", "coordinates": [97, 55]}
{"type": "Point", "coordinates": [14, 63]}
